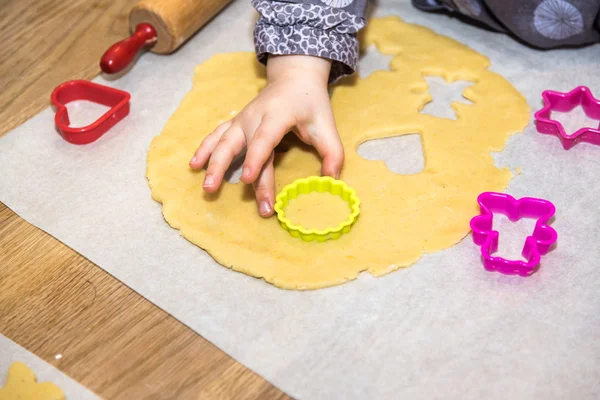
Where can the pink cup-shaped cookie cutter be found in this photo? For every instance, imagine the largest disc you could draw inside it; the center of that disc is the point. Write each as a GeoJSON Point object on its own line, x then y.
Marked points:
{"type": "Point", "coordinates": [536, 245]}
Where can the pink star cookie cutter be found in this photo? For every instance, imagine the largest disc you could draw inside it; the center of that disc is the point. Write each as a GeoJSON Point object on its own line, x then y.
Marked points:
{"type": "Point", "coordinates": [536, 245]}
{"type": "Point", "coordinates": [565, 102]}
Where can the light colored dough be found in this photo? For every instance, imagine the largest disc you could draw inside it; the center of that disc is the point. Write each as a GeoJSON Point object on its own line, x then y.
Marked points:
{"type": "Point", "coordinates": [317, 210]}
{"type": "Point", "coordinates": [402, 216]}
{"type": "Point", "coordinates": [21, 384]}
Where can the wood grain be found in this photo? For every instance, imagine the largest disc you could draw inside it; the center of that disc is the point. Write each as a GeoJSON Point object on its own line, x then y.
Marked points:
{"type": "Point", "coordinates": [175, 22]}
{"type": "Point", "coordinates": [54, 301]}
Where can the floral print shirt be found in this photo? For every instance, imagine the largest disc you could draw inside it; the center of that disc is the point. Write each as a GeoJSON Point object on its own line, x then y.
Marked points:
{"type": "Point", "coordinates": [328, 28]}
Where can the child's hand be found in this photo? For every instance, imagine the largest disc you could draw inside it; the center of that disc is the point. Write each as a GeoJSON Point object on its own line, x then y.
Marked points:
{"type": "Point", "coordinates": [296, 97]}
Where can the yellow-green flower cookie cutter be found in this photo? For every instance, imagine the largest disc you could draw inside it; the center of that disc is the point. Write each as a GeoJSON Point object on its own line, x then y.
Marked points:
{"type": "Point", "coordinates": [322, 185]}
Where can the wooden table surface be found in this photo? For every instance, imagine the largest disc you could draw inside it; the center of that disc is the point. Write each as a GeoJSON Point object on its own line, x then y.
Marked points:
{"type": "Point", "coordinates": [54, 301]}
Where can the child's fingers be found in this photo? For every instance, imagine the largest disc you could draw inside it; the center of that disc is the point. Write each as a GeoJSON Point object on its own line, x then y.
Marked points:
{"type": "Point", "coordinates": [331, 150]}
{"type": "Point", "coordinates": [208, 145]}
{"type": "Point", "coordinates": [329, 146]}
{"type": "Point", "coordinates": [267, 136]}
{"type": "Point", "coordinates": [230, 145]}
{"type": "Point", "coordinates": [264, 188]}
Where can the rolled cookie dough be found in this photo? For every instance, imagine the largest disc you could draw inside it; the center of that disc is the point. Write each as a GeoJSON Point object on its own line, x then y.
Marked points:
{"type": "Point", "coordinates": [317, 210]}
{"type": "Point", "coordinates": [402, 216]}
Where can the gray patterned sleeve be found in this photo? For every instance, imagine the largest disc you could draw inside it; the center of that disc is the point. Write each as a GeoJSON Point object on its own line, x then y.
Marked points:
{"type": "Point", "coordinates": [544, 24]}
{"type": "Point", "coordinates": [323, 28]}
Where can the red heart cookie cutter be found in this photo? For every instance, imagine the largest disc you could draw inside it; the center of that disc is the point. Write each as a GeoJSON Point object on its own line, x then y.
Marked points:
{"type": "Point", "coordinates": [117, 100]}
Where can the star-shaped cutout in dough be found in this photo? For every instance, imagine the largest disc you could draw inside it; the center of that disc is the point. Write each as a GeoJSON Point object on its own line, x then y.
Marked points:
{"type": "Point", "coordinates": [371, 60]}
{"type": "Point", "coordinates": [21, 383]}
{"type": "Point", "coordinates": [445, 96]}
{"type": "Point", "coordinates": [565, 102]}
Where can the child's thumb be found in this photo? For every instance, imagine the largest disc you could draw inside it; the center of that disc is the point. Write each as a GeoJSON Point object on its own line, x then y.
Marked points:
{"type": "Point", "coordinates": [331, 150]}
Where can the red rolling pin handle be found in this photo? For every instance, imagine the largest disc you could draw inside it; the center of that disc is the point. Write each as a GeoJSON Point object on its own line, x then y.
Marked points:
{"type": "Point", "coordinates": [120, 54]}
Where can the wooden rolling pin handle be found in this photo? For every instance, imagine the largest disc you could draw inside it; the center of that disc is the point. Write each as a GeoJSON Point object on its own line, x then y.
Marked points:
{"type": "Point", "coordinates": [120, 54]}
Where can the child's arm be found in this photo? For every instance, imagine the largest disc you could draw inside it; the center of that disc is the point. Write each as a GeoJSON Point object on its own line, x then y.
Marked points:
{"type": "Point", "coordinates": [306, 45]}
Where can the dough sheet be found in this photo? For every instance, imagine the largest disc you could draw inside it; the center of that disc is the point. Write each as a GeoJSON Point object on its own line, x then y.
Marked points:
{"type": "Point", "coordinates": [402, 216]}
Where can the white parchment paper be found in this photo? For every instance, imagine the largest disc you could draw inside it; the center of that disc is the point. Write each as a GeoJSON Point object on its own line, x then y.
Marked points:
{"type": "Point", "coordinates": [11, 352]}
{"type": "Point", "coordinates": [444, 328]}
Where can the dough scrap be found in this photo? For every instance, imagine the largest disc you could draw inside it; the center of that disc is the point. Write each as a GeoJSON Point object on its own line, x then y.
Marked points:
{"type": "Point", "coordinates": [402, 216]}
{"type": "Point", "coordinates": [22, 384]}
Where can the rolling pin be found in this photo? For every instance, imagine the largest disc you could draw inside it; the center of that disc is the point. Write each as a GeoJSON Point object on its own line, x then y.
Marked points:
{"type": "Point", "coordinates": [161, 25]}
